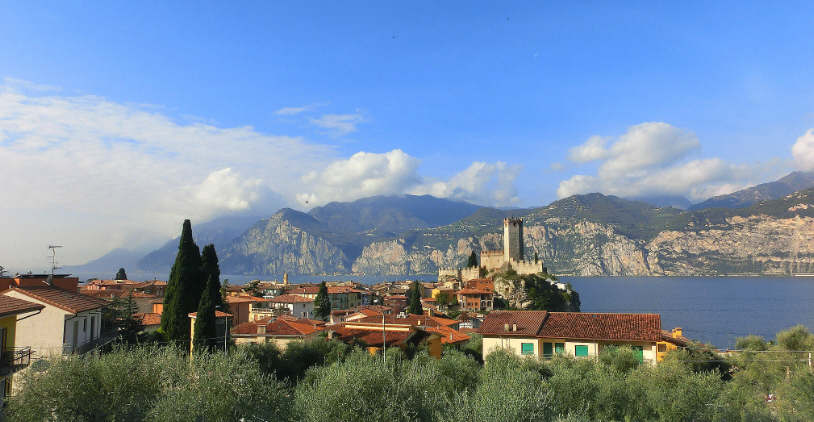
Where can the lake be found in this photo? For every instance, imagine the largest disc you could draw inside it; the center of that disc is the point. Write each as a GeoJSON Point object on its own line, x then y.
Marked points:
{"type": "Point", "coordinates": [714, 310]}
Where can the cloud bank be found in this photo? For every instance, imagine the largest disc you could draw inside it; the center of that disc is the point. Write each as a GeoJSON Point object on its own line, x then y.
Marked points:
{"type": "Point", "coordinates": [94, 175]}
{"type": "Point", "coordinates": [654, 159]}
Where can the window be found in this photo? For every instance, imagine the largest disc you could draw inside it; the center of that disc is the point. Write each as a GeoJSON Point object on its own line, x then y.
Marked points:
{"type": "Point", "coordinates": [559, 348]}
{"type": "Point", "coordinates": [639, 352]}
{"type": "Point", "coordinates": [527, 348]}
{"type": "Point", "coordinates": [548, 350]}
{"type": "Point", "coordinates": [580, 350]}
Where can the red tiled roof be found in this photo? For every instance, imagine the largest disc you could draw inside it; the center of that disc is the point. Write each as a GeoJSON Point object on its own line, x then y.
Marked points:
{"type": "Point", "coordinates": [278, 327]}
{"type": "Point", "coordinates": [448, 335]}
{"type": "Point", "coordinates": [110, 294]}
{"type": "Point", "coordinates": [574, 325]}
{"type": "Point", "coordinates": [63, 299]}
{"type": "Point", "coordinates": [417, 320]}
{"type": "Point", "coordinates": [305, 290]}
{"type": "Point", "coordinates": [309, 321]}
{"type": "Point", "coordinates": [13, 306]}
{"type": "Point", "coordinates": [238, 299]}
{"type": "Point", "coordinates": [291, 299]}
{"type": "Point", "coordinates": [148, 319]}
{"type": "Point", "coordinates": [218, 314]}
{"type": "Point", "coordinates": [594, 326]}
{"type": "Point", "coordinates": [528, 323]}
{"type": "Point", "coordinates": [374, 337]}
{"type": "Point", "coordinates": [474, 292]}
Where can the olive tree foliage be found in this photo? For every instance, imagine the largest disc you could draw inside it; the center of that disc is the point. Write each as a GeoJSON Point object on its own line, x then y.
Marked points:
{"type": "Point", "coordinates": [148, 384]}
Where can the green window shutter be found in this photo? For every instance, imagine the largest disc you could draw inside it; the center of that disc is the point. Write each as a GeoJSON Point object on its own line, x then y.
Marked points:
{"type": "Point", "coordinates": [559, 348]}
{"type": "Point", "coordinates": [548, 350]}
{"type": "Point", "coordinates": [580, 350]}
{"type": "Point", "coordinates": [639, 352]}
{"type": "Point", "coordinates": [527, 348]}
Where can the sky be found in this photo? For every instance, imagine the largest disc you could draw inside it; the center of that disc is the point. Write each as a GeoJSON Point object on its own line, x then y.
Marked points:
{"type": "Point", "coordinates": [118, 120]}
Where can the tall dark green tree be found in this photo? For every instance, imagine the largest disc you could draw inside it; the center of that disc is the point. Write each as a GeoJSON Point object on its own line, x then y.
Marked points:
{"type": "Point", "coordinates": [322, 303]}
{"type": "Point", "coordinates": [121, 275]}
{"type": "Point", "coordinates": [415, 307]}
{"type": "Point", "coordinates": [129, 325]}
{"type": "Point", "coordinates": [209, 269]}
{"type": "Point", "coordinates": [205, 323]}
{"type": "Point", "coordinates": [183, 293]}
{"type": "Point", "coordinates": [473, 260]}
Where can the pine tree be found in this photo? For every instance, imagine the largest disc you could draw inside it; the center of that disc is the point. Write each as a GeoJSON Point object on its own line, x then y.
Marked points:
{"type": "Point", "coordinates": [129, 325]}
{"type": "Point", "coordinates": [473, 260]}
{"type": "Point", "coordinates": [322, 303]}
{"type": "Point", "coordinates": [183, 293]}
{"type": "Point", "coordinates": [536, 258]}
{"type": "Point", "coordinates": [211, 268]}
{"type": "Point", "coordinates": [415, 307]}
{"type": "Point", "coordinates": [121, 275]}
{"type": "Point", "coordinates": [205, 322]}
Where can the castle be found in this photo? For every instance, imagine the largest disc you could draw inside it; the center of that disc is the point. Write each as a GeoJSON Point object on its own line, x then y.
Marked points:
{"type": "Point", "coordinates": [512, 256]}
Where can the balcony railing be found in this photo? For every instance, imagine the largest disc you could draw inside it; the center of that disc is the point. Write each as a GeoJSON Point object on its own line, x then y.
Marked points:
{"type": "Point", "coordinates": [81, 349]}
{"type": "Point", "coordinates": [14, 358]}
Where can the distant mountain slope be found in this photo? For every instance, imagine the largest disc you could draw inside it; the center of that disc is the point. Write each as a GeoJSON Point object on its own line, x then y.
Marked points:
{"type": "Point", "coordinates": [791, 183]}
{"type": "Point", "coordinates": [219, 231]}
{"type": "Point", "coordinates": [675, 201]}
{"type": "Point", "coordinates": [391, 215]}
{"type": "Point", "coordinates": [108, 263]}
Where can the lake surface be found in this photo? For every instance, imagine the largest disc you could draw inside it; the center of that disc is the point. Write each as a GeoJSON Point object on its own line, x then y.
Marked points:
{"type": "Point", "coordinates": [714, 310]}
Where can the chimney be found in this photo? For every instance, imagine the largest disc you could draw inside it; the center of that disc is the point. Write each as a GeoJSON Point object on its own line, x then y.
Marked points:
{"type": "Point", "coordinates": [506, 327]}
{"type": "Point", "coordinates": [514, 327]}
{"type": "Point", "coordinates": [676, 332]}
{"type": "Point", "coordinates": [261, 329]}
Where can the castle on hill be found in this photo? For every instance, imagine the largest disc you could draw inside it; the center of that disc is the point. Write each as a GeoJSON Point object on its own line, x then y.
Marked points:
{"type": "Point", "coordinates": [513, 256]}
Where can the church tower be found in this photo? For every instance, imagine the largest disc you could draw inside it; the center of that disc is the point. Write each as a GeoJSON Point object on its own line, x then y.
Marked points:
{"type": "Point", "coordinates": [513, 240]}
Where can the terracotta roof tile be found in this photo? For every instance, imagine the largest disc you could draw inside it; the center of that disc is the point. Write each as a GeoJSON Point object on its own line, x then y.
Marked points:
{"type": "Point", "coordinates": [528, 323]}
{"type": "Point", "coordinates": [148, 319]}
{"type": "Point", "coordinates": [13, 306]}
{"type": "Point", "coordinates": [278, 327]}
{"type": "Point", "coordinates": [448, 335]}
{"type": "Point", "coordinates": [291, 299]}
{"type": "Point", "coordinates": [600, 326]}
{"type": "Point", "coordinates": [63, 299]}
{"type": "Point", "coordinates": [417, 320]}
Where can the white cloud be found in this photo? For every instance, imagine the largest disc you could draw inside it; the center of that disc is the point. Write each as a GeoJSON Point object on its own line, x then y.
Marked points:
{"type": "Point", "coordinates": [290, 111]}
{"type": "Point", "coordinates": [481, 183]}
{"type": "Point", "coordinates": [591, 150]}
{"type": "Point", "coordinates": [95, 175]}
{"type": "Point", "coordinates": [803, 151]}
{"type": "Point", "coordinates": [363, 174]}
{"type": "Point", "coordinates": [394, 173]}
{"type": "Point", "coordinates": [338, 124]}
{"type": "Point", "coordinates": [652, 159]}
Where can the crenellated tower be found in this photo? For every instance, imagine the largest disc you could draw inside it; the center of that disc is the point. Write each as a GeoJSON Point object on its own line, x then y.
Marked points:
{"type": "Point", "coordinates": [513, 240]}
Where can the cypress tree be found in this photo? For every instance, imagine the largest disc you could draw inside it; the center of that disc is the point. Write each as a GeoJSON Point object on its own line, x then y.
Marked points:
{"type": "Point", "coordinates": [415, 307]}
{"type": "Point", "coordinates": [473, 260]}
{"type": "Point", "coordinates": [183, 293]}
{"type": "Point", "coordinates": [205, 329]}
{"type": "Point", "coordinates": [211, 269]}
{"type": "Point", "coordinates": [322, 303]}
{"type": "Point", "coordinates": [121, 274]}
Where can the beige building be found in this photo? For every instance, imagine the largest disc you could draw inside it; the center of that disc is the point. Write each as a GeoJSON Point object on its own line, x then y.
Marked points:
{"type": "Point", "coordinates": [69, 323]}
{"type": "Point", "coordinates": [281, 330]}
{"type": "Point", "coordinates": [542, 334]}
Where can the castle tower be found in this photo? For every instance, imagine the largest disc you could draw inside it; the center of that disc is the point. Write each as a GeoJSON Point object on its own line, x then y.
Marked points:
{"type": "Point", "coordinates": [513, 240]}
{"type": "Point", "coordinates": [285, 278]}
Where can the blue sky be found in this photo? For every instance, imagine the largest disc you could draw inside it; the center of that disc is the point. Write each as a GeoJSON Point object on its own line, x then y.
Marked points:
{"type": "Point", "coordinates": [119, 120]}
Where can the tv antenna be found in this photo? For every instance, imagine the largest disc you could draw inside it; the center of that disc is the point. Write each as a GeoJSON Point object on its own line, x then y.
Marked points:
{"type": "Point", "coordinates": [53, 249]}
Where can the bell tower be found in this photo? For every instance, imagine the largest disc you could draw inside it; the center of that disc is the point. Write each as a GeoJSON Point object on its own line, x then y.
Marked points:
{"type": "Point", "coordinates": [513, 240]}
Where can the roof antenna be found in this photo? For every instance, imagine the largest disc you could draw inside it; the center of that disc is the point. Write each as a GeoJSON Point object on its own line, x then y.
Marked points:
{"type": "Point", "coordinates": [54, 267]}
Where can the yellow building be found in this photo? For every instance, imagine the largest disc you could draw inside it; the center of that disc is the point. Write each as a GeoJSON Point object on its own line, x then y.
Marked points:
{"type": "Point", "coordinates": [14, 356]}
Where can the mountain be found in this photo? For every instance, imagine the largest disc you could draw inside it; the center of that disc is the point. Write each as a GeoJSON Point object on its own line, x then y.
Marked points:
{"type": "Point", "coordinates": [675, 201]}
{"type": "Point", "coordinates": [347, 226]}
{"type": "Point", "coordinates": [789, 184]}
{"type": "Point", "coordinates": [219, 231]}
{"type": "Point", "coordinates": [391, 215]}
{"type": "Point", "coordinates": [107, 263]}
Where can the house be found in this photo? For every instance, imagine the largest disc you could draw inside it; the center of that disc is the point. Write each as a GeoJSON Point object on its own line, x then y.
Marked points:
{"type": "Point", "coordinates": [420, 321]}
{"type": "Point", "coordinates": [542, 334]}
{"type": "Point", "coordinates": [342, 297]}
{"type": "Point", "coordinates": [70, 323]}
{"type": "Point", "coordinates": [150, 321]}
{"type": "Point", "coordinates": [670, 340]}
{"type": "Point", "coordinates": [280, 330]}
{"type": "Point", "coordinates": [240, 307]}
{"type": "Point", "coordinates": [376, 336]}
{"type": "Point", "coordinates": [15, 355]}
{"type": "Point", "coordinates": [221, 329]}
{"type": "Point", "coordinates": [143, 301]}
{"type": "Point", "coordinates": [449, 336]}
{"type": "Point", "coordinates": [296, 305]}
{"type": "Point", "coordinates": [475, 300]}
{"type": "Point", "coordinates": [63, 281]}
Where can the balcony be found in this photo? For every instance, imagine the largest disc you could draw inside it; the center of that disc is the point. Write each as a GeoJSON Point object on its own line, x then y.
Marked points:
{"type": "Point", "coordinates": [104, 338]}
{"type": "Point", "coordinates": [14, 359]}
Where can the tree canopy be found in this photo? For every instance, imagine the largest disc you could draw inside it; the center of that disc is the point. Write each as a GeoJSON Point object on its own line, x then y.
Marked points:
{"type": "Point", "coordinates": [415, 307]}
{"type": "Point", "coordinates": [473, 260]}
{"type": "Point", "coordinates": [322, 303]}
{"type": "Point", "coordinates": [121, 275]}
{"type": "Point", "coordinates": [184, 289]}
